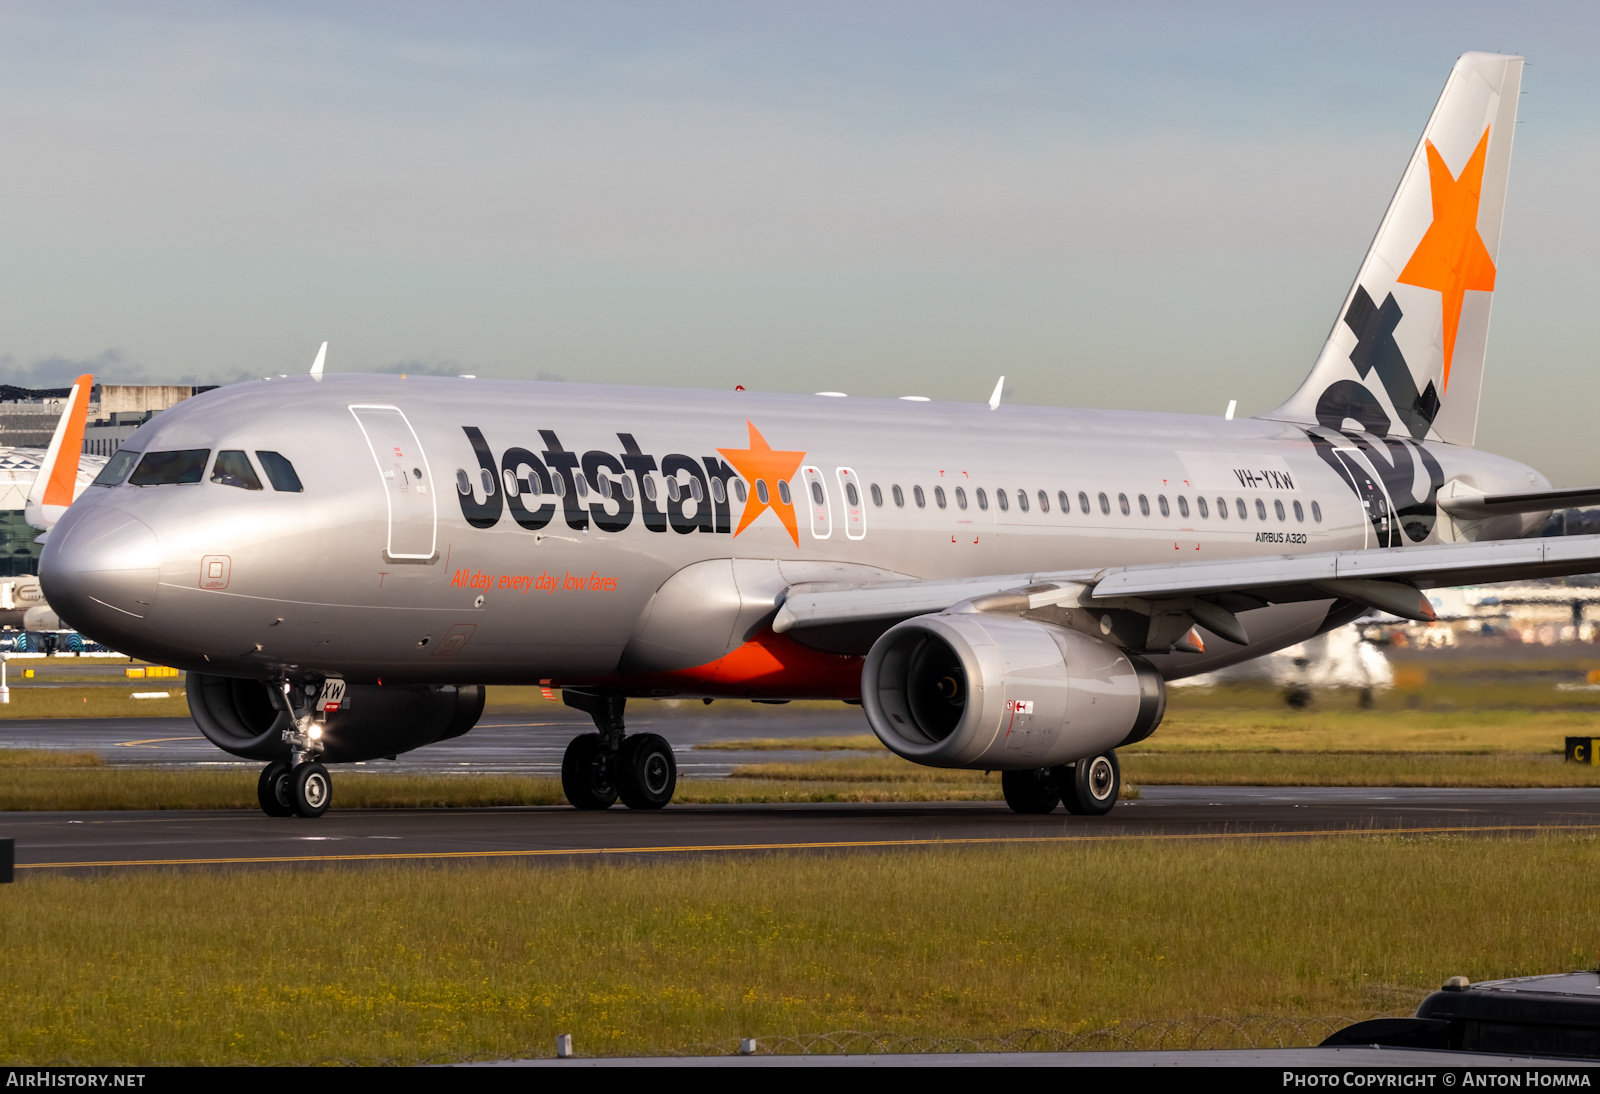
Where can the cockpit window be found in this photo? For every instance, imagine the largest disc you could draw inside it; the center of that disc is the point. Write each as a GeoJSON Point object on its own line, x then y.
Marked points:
{"type": "Point", "coordinates": [117, 467]}
{"type": "Point", "coordinates": [169, 468]}
{"type": "Point", "coordinates": [280, 472]}
{"type": "Point", "coordinates": [233, 469]}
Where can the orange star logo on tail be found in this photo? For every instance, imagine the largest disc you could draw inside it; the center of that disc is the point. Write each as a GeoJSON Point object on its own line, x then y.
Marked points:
{"type": "Point", "coordinates": [1452, 257]}
{"type": "Point", "coordinates": [764, 467]}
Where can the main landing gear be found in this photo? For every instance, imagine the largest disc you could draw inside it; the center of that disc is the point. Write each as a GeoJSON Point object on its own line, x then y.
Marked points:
{"type": "Point", "coordinates": [1087, 788]}
{"type": "Point", "coordinates": [601, 767]}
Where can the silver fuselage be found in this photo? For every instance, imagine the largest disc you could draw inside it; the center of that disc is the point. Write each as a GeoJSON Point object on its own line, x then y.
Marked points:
{"type": "Point", "coordinates": [373, 572]}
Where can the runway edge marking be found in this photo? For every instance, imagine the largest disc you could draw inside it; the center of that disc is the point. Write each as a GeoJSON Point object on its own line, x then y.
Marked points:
{"type": "Point", "coordinates": [555, 852]}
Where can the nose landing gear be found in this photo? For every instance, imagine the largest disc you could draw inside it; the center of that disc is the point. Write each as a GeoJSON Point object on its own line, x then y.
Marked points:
{"type": "Point", "coordinates": [300, 787]}
{"type": "Point", "coordinates": [304, 790]}
{"type": "Point", "coordinates": [601, 767]}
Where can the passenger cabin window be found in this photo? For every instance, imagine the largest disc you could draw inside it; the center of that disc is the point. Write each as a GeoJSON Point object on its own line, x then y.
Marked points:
{"type": "Point", "coordinates": [116, 468]}
{"type": "Point", "coordinates": [280, 472]}
{"type": "Point", "coordinates": [719, 493]}
{"type": "Point", "coordinates": [1222, 508]}
{"type": "Point", "coordinates": [783, 491]}
{"type": "Point", "coordinates": [233, 469]}
{"type": "Point", "coordinates": [1316, 512]}
{"type": "Point", "coordinates": [961, 498]}
{"type": "Point", "coordinates": [1183, 506]}
{"type": "Point", "coordinates": [463, 483]}
{"type": "Point", "coordinates": [1083, 501]}
{"type": "Point", "coordinates": [899, 496]}
{"type": "Point", "coordinates": [938, 496]}
{"type": "Point", "coordinates": [817, 497]}
{"type": "Point", "coordinates": [851, 494]}
{"type": "Point", "coordinates": [738, 491]}
{"type": "Point", "coordinates": [1261, 509]}
{"type": "Point", "coordinates": [1144, 506]}
{"type": "Point", "coordinates": [919, 497]}
{"type": "Point", "coordinates": [1277, 507]}
{"type": "Point", "coordinates": [983, 498]}
{"type": "Point", "coordinates": [171, 468]}
{"type": "Point", "coordinates": [486, 477]}
{"type": "Point", "coordinates": [1044, 502]}
{"type": "Point", "coordinates": [999, 496]}
{"type": "Point", "coordinates": [1066, 502]}
{"type": "Point", "coordinates": [1122, 503]}
{"type": "Point", "coordinates": [1105, 505]}
{"type": "Point", "coordinates": [877, 496]}
{"type": "Point", "coordinates": [1161, 503]}
{"type": "Point", "coordinates": [1299, 512]}
{"type": "Point", "coordinates": [1205, 513]}
{"type": "Point", "coordinates": [1239, 507]}
{"type": "Point", "coordinates": [761, 490]}
{"type": "Point", "coordinates": [1022, 500]}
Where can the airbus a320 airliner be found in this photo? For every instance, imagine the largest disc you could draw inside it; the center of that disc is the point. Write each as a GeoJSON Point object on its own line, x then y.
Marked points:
{"type": "Point", "coordinates": [343, 562]}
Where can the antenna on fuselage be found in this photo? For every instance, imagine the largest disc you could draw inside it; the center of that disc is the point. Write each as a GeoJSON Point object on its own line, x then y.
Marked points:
{"type": "Point", "coordinates": [994, 400]}
{"type": "Point", "coordinates": [316, 366]}
{"type": "Point", "coordinates": [1233, 404]}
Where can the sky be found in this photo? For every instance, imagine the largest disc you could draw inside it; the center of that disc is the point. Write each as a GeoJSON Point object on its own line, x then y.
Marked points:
{"type": "Point", "coordinates": [1141, 206]}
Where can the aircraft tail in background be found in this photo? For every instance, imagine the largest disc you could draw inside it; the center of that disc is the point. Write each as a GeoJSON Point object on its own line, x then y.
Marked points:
{"type": "Point", "coordinates": [1405, 356]}
{"type": "Point", "coordinates": [57, 483]}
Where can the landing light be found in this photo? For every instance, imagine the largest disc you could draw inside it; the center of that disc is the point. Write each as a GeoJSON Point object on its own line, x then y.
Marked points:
{"type": "Point", "coordinates": [315, 733]}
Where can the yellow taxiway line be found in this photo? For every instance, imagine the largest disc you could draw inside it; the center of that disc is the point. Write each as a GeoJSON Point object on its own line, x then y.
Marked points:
{"type": "Point", "coordinates": [841, 845]}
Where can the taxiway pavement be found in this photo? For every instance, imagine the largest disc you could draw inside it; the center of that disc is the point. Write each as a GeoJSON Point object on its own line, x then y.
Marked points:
{"type": "Point", "coordinates": [51, 842]}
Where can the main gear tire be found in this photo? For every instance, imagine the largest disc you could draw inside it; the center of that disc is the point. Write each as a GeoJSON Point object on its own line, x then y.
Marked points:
{"type": "Point", "coordinates": [1090, 787]}
{"type": "Point", "coordinates": [272, 790]}
{"type": "Point", "coordinates": [311, 790]}
{"type": "Point", "coordinates": [1033, 791]}
{"type": "Point", "coordinates": [647, 771]}
{"type": "Point", "coordinates": [586, 776]}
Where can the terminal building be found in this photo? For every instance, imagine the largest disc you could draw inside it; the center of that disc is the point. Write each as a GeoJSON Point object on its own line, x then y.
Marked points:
{"type": "Point", "coordinates": [28, 418]}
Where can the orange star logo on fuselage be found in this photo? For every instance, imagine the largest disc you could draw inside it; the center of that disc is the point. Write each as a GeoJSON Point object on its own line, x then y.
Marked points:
{"type": "Point", "coordinates": [764, 467]}
{"type": "Point", "coordinates": [1451, 257]}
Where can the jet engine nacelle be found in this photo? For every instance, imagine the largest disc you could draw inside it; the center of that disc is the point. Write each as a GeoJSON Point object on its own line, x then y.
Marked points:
{"type": "Point", "coordinates": [965, 689]}
{"type": "Point", "coordinates": [239, 716]}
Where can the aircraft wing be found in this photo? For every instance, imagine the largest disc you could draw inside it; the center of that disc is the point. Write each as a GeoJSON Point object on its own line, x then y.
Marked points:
{"type": "Point", "coordinates": [1387, 578]}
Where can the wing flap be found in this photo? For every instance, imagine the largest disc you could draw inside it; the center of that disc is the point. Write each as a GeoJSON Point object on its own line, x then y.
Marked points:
{"type": "Point", "coordinates": [821, 604]}
{"type": "Point", "coordinates": [1432, 565]}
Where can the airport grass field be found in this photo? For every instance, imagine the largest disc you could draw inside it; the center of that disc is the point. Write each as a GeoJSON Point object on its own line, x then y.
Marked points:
{"type": "Point", "coordinates": [415, 963]}
{"type": "Point", "coordinates": [1227, 940]}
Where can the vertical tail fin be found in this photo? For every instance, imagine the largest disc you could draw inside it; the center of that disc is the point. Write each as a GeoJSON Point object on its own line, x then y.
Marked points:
{"type": "Point", "coordinates": [1405, 355]}
{"type": "Point", "coordinates": [57, 483]}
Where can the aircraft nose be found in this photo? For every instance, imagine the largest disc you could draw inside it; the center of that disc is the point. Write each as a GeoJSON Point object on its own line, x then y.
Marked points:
{"type": "Point", "coordinates": [99, 571]}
